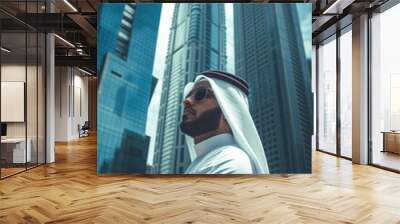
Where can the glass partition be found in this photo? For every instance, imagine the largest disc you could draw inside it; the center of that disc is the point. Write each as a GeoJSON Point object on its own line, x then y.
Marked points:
{"type": "Point", "coordinates": [13, 104]}
{"type": "Point", "coordinates": [22, 90]}
{"type": "Point", "coordinates": [385, 89]}
{"type": "Point", "coordinates": [346, 92]}
{"type": "Point", "coordinates": [31, 99]}
{"type": "Point", "coordinates": [327, 95]}
{"type": "Point", "coordinates": [41, 107]}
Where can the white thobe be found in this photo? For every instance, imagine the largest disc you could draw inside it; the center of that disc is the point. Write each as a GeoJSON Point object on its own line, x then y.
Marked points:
{"type": "Point", "coordinates": [220, 155]}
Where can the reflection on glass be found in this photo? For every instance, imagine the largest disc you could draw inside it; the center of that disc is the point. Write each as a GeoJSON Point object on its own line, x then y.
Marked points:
{"type": "Point", "coordinates": [31, 99]}
{"type": "Point", "coordinates": [327, 96]}
{"type": "Point", "coordinates": [385, 88]}
{"type": "Point", "coordinates": [394, 101]}
{"type": "Point", "coordinates": [22, 92]}
{"type": "Point", "coordinates": [345, 94]}
{"type": "Point", "coordinates": [13, 87]}
{"type": "Point", "coordinates": [41, 99]}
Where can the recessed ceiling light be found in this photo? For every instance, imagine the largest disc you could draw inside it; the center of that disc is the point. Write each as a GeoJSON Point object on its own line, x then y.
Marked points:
{"type": "Point", "coordinates": [84, 71]}
{"type": "Point", "coordinates": [70, 5]}
{"type": "Point", "coordinates": [337, 7]}
{"type": "Point", "coordinates": [5, 50]}
{"type": "Point", "coordinates": [64, 40]}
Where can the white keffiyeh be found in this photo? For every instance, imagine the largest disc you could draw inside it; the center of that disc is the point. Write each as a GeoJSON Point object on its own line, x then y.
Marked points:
{"type": "Point", "coordinates": [234, 105]}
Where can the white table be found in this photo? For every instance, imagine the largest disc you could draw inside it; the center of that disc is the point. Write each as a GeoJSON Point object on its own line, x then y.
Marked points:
{"type": "Point", "coordinates": [18, 149]}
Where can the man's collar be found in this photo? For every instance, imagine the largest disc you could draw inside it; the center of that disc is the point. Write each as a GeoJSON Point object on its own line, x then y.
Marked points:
{"type": "Point", "coordinates": [214, 142]}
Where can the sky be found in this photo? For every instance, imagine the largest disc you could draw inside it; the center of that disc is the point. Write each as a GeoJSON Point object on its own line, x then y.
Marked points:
{"type": "Point", "coordinates": [167, 11]}
{"type": "Point", "coordinates": [305, 17]}
{"type": "Point", "coordinates": [162, 47]}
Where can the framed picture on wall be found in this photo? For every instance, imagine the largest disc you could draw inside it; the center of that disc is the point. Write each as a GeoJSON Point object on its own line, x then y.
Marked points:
{"type": "Point", "coordinates": [191, 88]}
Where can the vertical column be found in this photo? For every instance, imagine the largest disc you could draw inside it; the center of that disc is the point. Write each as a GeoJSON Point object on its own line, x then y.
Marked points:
{"type": "Point", "coordinates": [338, 91]}
{"type": "Point", "coordinates": [314, 91]}
{"type": "Point", "coordinates": [50, 92]}
{"type": "Point", "coordinates": [360, 90]}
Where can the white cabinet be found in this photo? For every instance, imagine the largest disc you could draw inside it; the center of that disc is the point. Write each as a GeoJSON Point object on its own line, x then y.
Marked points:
{"type": "Point", "coordinates": [18, 149]}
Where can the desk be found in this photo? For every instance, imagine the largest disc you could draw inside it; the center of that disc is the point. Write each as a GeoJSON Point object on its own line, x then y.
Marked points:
{"type": "Point", "coordinates": [15, 148]}
{"type": "Point", "coordinates": [391, 141]}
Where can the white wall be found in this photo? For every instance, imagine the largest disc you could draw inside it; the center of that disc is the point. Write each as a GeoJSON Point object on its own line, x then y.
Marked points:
{"type": "Point", "coordinates": [33, 127]}
{"type": "Point", "coordinates": [71, 94]}
{"type": "Point", "coordinates": [9, 73]}
{"type": "Point", "coordinates": [80, 109]}
{"type": "Point", "coordinates": [62, 81]}
{"type": "Point", "coordinates": [16, 72]}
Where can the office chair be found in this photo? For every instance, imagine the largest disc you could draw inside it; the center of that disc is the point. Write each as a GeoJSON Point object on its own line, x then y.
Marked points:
{"type": "Point", "coordinates": [84, 130]}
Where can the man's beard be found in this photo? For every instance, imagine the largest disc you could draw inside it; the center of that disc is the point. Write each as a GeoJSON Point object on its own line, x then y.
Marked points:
{"type": "Point", "coordinates": [206, 122]}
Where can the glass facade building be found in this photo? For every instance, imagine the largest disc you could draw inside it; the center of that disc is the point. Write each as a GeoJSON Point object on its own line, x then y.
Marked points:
{"type": "Point", "coordinates": [126, 47]}
{"type": "Point", "coordinates": [197, 42]}
{"type": "Point", "coordinates": [271, 57]}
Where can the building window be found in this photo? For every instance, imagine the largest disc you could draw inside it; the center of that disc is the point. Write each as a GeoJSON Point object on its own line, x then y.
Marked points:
{"type": "Point", "coordinates": [125, 31]}
{"type": "Point", "coordinates": [346, 93]}
{"type": "Point", "coordinates": [385, 88]}
{"type": "Point", "coordinates": [327, 96]}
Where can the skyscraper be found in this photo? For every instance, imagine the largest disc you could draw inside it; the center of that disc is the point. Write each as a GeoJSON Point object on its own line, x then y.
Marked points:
{"type": "Point", "coordinates": [270, 55]}
{"type": "Point", "coordinates": [127, 42]}
{"type": "Point", "coordinates": [196, 43]}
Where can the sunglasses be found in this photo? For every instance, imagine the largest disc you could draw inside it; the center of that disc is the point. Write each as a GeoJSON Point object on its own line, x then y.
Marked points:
{"type": "Point", "coordinates": [201, 94]}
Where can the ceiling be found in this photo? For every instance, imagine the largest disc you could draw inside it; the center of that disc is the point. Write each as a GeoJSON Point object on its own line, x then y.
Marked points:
{"type": "Point", "coordinates": [332, 15]}
{"type": "Point", "coordinates": [19, 54]}
{"type": "Point", "coordinates": [76, 20]}
{"type": "Point", "coordinates": [72, 20]}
